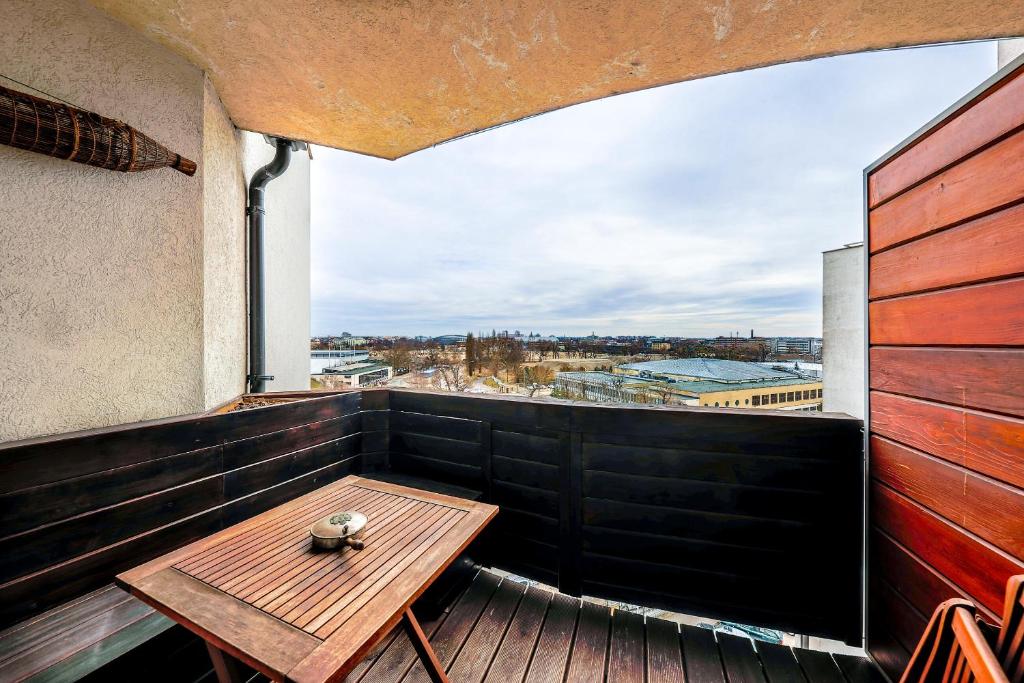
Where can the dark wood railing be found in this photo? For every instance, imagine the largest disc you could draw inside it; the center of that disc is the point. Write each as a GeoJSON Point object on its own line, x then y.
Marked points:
{"type": "Point", "coordinates": [80, 507]}
{"type": "Point", "coordinates": [750, 516]}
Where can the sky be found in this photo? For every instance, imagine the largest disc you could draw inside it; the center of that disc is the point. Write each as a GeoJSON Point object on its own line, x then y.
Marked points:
{"type": "Point", "coordinates": [695, 209]}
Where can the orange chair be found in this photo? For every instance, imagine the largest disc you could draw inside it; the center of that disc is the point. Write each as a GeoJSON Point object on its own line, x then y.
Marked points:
{"type": "Point", "coordinates": [954, 649]}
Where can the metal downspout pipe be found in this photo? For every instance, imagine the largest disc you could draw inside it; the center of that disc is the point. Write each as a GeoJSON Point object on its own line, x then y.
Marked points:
{"type": "Point", "coordinates": [256, 212]}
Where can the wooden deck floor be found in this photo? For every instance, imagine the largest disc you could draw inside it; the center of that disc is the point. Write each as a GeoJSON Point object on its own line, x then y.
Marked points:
{"type": "Point", "coordinates": [499, 631]}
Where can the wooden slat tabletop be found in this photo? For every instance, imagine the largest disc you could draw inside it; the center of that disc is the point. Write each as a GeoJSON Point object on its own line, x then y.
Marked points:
{"type": "Point", "coordinates": [261, 593]}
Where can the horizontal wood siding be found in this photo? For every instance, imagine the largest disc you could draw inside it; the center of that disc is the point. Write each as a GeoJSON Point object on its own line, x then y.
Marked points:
{"type": "Point", "coordinates": [483, 445]}
{"type": "Point", "coordinates": [740, 515]}
{"type": "Point", "coordinates": [78, 508]}
{"type": "Point", "coordinates": [946, 369]}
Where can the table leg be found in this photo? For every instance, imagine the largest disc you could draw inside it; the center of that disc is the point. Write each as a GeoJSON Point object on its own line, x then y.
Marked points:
{"type": "Point", "coordinates": [423, 648]}
{"type": "Point", "coordinates": [225, 665]}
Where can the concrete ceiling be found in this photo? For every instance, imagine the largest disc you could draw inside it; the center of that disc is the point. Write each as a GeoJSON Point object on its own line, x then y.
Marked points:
{"type": "Point", "coordinates": [390, 77]}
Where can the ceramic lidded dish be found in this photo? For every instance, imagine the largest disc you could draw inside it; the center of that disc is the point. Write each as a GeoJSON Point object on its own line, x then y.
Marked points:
{"type": "Point", "coordinates": [338, 530]}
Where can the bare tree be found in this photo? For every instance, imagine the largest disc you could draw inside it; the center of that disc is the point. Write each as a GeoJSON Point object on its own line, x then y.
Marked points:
{"type": "Point", "coordinates": [399, 357]}
{"type": "Point", "coordinates": [449, 372]}
{"type": "Point", "coordinates": [510, 356]}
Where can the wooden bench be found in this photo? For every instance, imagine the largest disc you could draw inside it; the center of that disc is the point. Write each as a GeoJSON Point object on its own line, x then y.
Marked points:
{"type": "Point", "coordinates": [956, 649]}
{"type": "Point", "coordinates": [79, 637]}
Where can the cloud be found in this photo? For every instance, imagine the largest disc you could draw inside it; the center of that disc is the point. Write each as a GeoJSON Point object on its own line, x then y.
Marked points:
{"type": "Point", "coordinates": [695, 209]}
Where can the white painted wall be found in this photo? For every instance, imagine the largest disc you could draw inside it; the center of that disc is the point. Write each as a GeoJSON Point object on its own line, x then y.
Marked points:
{"type": "Point", "coordinates": [843, 335]}
{"type": "Point", "coordinates": [225, 331]}
{"type": "Point", "coordinates": [1007, 50]}
{"type": "Point", "coordinates": [287, 264]}
{"type": "Point", "coordinates": [122, 296]}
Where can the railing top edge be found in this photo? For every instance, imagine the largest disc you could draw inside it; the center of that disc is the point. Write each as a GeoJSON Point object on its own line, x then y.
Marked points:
{"type": "Point", "coordinates": [542, 400]}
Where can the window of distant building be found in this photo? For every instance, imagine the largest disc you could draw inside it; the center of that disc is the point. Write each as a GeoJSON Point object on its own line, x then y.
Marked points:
{"type": "Point", "coordinates": [746, 401]}
{"type": "Point", "coordinates": [716, 404]}
{"type": "Point", "coordinates": [807, 395]}
{"type": "Point", "coordinates": [775, 398]}
{"type": "Point", "coordinates": [757, 400]}
{"type": "Point", "coordinates": [790, 396]}
{"type": "Point", "coordinates": [764, 399]}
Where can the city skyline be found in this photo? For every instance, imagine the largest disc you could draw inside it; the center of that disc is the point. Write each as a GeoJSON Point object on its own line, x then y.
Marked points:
{"type": "Point", "coordinates": [694, 217]}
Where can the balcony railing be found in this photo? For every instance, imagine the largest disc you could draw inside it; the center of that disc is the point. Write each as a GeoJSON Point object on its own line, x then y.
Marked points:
{"type": "Point", "coordinates": [749, 516]}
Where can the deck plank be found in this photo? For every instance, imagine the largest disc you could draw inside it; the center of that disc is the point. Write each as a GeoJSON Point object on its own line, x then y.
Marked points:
{"type": "Point", "coordinates": [513, 657]}
{"type": "Point", "coordinates": [626, 651]}
{"type": "Point", "coordinates": [700, 655]}
{"type": "Point", "coordinates": [741, 662]}
{"type": "Point", "coordinates": [499, 630]}
{"type": "Point", "coordinates": [472, 663]}
{"type": "Point", "coordinates": [449, 638]}
{"type": "Point", "coordinates": [395, 660]}
{"type": "Point", "coordinates": [859, 669]}
{"type": "Point", "coordinates": [590, 649]}
{"type": "Point", "coordinates": [780, 663]}
{"type": "Point", "coordinates": [819, 666]}
{"type": "Point", "coordinates": [552, 653]}
{"type": "Point", "coordinates": [664, 652]}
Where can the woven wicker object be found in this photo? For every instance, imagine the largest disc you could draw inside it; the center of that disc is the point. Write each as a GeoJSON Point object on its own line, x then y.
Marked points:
{"type": "Point", "coordinates": [62, 131]}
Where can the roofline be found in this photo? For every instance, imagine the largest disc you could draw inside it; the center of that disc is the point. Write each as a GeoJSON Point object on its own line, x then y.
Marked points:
{"type": "Point", "coordinates": [845, 247]}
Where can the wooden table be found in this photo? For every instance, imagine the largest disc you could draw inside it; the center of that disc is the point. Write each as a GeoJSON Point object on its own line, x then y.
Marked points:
{"type": "Point", "coordinates": [258, 592]}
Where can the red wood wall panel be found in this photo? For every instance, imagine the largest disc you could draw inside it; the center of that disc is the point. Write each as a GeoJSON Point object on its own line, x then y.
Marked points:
{"type": "Point", "coordinates": [946, 369]}
{"type": "Point", "coordinates": [986, 181]}
{"type": "Point", "coordinates": [983, 442]}
{"type": "Point", "coordinates": [977, 315]}
{"type": "Point", "coordinates": [986, 379]}
{"type": "Point", "coordinates": [997, 112]}
{"type": "Point", "coordinates": [988, 248]}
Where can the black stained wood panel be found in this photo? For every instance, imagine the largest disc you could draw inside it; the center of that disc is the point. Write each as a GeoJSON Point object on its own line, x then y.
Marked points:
{"type": "Point", "coordinates": [734, 501]}
{"type": "Point", "coordinates": [945, 370]}
{"type": "Point", "coordinates": [436, 448]}
{"type": "Point", "coordinates": [749, 469]}
{"type": "Point", "coordinates": [730, 497]}
{"type": "Point", "coordinates": [693, 554]}
{"type": "Point", "coordinates": [690, 494]}
{"type": "Point", "coordinates": [532, 447]}
{"type": "Point", "coordinates": [48, 503]}
{"type": "Point", "coordinates": [524, 472]}
{"type": "Point", "coordinates": [34, 462]}
{"type": "Point", "coordinates": [131, 493]}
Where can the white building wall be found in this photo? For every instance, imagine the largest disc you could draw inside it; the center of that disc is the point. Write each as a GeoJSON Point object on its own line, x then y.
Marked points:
{"type": "Point", "coordinates": [287, 265]}
{"type": "Point", "coordinates": [1008, 50]}
{"type": "Point", "coordinates": [225, 328]}
{"type": "Point", "coordinates": [843, 336]}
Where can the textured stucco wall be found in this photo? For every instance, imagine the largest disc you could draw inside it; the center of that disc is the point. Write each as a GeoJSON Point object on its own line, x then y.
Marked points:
{"type": "Point", "coordinates": [101, 272]}
{"type": "Point", "coordinates": [843, 331]}
{"type": "Point", "coordinates": [122, 296]}
{"type": "Point", "coordinates": [287, 265]}
{"type": "Point", "coordinates": [224, 277]}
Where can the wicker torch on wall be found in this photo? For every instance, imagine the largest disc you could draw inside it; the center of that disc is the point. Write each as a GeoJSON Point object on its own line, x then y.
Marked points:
{"type": "Point", "coordinates": [65, 132]}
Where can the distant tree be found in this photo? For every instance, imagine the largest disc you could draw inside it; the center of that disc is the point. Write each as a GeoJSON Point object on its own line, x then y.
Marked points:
{"type": "Point", "coordinates": [541, 374]}
{"type": "Point", "coordinates": [449, 372]}
{"type": "Point", "coordinates": [510, 356]}
{"type": "Point", "coordinates": [399, 357]}
{"type": "Point", "coordinates": [470, 354]}
{"type": "Point", "coordinates": [432, 354]}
